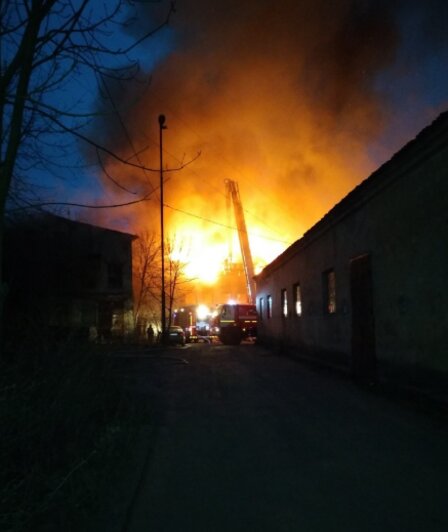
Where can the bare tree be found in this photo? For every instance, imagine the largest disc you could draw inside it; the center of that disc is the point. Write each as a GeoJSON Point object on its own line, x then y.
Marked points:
{"type": "Point", "coordinates": [45, 45]}
{"type": "Point", "coordinates": [177, 283]}
{"type": "Point", "coordinates": [147, 273]}
{"type": "Point", "coordinates": [147, 281]}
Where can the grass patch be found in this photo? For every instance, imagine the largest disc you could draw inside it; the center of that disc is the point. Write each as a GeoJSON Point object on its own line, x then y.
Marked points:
{"type": "Point", "coordinates": [66, 423]}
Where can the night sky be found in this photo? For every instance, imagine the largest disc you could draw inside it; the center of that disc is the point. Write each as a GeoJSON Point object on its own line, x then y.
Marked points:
{"type": "Point", "coordinates": [297, 101]}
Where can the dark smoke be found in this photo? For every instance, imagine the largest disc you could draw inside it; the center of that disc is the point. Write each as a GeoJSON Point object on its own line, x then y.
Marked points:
{"type": "Point", "coordinates": [279, 96]}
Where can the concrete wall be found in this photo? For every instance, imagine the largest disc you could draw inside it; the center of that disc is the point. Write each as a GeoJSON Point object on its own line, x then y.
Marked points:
{"type": "Point", "coordinates": [399, 217]}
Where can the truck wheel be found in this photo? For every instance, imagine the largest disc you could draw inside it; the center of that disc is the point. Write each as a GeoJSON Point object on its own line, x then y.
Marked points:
{"type": "Point", "coordinates": [230, 336]}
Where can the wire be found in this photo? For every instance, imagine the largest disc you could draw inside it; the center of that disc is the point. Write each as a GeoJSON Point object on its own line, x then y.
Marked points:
{"type": "Point", "coordinates": [140, 200]}
{"type": "Point", "coordinates": [224, 225]}
{"type": "Point", "coordinates": [209, 184]}
{"type": "Point", "coordinates": [126, 132]}
{"type": "Point", "coordinates": [136, 155]}
{"type": "Point", "coordinates": [81, 205]}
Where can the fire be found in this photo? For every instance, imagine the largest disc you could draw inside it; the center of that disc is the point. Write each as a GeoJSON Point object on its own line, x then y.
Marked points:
{"type": "Point", "coordinates": [295, 143]}
{"type": "Point", "coordinates": [203, 259]}
{"type": "Point", "coordinates": [291, 118]}
{"type": "Point", "coordinates": [206, 264]}
{"type": "Point", "coordinates": [265, 250]}
{"type": "Point", "coordinates": [202, 312]}
{"type": "Point", "coordinates": [205, 252]}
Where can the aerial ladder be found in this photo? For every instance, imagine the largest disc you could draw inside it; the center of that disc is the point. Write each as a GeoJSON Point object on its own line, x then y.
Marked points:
{"type": "Point", "coordinates": [233, 195]}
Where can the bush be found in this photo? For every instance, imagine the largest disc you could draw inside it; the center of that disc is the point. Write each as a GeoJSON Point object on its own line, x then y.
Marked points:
{"type": "Point", "coordinates": [64, 421]}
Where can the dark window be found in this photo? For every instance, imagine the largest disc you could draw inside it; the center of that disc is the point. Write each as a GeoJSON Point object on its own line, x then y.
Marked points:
{"type": "Point", "coordinates": [269, 307]}
{"type": "Point", "coordinates": [261, 308]}
{"type": "Point", "coordinates": [115, 275]}
{"type": "Point", "coordinates": [284, 300]}
{"type": "Point", "coordinates": [329, 288]}
{"type": "Point", "coordinates": [297, 299]}
{"type": "Point", "coordinates": [90, 272]}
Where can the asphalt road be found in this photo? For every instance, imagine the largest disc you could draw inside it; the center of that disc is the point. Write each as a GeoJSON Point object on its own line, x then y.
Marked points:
{"type": "Point", "coordinates": [249, 441]}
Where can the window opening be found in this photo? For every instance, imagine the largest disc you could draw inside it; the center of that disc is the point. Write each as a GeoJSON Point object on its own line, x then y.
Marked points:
{"type": "Point", "coordinates": [115, 275]}
{"type": "Point", "coordinates": [329, 292]}
{"type": "Point", "coordinates": [297, 300]}
{"type": "Point", "coordinates": [284, 299]}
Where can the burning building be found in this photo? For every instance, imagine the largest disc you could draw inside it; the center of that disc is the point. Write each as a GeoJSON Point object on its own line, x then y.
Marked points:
{"type": "Point", "coordinates": [291, 103]}
{"type": "Point", "coordinates": [365, 288]}
{"type": "Point", "coordinates": [274, 97]}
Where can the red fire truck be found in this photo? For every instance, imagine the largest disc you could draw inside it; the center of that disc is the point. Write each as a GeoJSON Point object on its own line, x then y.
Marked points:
{"type": "Point", "coordinates": [233, 323]}
{"type": "Point", "coordinates": [186, 318]}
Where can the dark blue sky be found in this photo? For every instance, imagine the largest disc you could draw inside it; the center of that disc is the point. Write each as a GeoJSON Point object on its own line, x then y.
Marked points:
{"type": "Point", "coordinates": [236, 80]}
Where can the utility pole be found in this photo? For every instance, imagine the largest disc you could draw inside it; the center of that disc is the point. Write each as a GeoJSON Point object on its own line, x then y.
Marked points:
{"type": "Point", "coordinates": [162, 233]}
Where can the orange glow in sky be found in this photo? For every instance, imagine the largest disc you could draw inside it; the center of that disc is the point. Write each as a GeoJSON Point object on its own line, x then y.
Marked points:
{"type": "Point", "coordinates": [203, 259]}
{"type": "Point", "coordinates": [205, 251]}
{"type": "Point", "coordinates": [287, 113]}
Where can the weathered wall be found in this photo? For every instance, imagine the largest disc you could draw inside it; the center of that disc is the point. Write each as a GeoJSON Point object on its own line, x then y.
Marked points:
{"type": "Point", "coordinates": [68, 276]}
{"type": "Point", "coordinates": [399, 217]}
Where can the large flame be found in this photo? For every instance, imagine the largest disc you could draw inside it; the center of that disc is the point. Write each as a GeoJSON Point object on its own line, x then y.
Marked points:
{"type": "Point", "coordinates": [206, 256]}
{"type": "Point", "coordinates": [203, 260]}
{"type": "Point", "coordinates": [280, 97]}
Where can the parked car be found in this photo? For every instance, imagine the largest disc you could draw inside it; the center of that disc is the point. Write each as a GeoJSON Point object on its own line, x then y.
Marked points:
{"type": "Point", "coordinates": [175, 335]}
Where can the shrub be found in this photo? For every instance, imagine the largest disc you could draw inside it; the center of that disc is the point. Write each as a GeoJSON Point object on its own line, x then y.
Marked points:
{"type": "Point", "coordinates": [63, 421]}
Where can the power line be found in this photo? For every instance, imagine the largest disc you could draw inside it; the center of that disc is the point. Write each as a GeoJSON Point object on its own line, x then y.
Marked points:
{"type": "Point", "coordinates": [136, 155]}
{"type": "Point", "coordinates": [211, 185]}
{"type": "Point", "coordinates": [140, 200]}
{"type": "Point", "coordinates": [224, 225]}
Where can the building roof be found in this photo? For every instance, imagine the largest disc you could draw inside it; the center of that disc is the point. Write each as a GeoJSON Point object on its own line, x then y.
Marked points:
{"type": "Point", "coordinates": [430, 140]}
{"type": "Point", "coordinates": [48, 217]}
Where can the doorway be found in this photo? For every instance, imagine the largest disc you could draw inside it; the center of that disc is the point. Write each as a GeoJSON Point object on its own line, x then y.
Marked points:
{"type": "Point", "coordinates": [363, 324]}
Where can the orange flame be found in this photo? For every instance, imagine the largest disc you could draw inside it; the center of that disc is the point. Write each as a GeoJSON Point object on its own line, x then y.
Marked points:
{"type": "Point", "coordinates": [286, 113]}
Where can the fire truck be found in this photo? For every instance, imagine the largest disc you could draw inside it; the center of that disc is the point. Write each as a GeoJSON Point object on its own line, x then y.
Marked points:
{"type": "Point", "coordinates": [234, 323]}
{"type": "Point", "coordinates": [186, 318]}
{"type": "Point", "coordinates": [194, 320]}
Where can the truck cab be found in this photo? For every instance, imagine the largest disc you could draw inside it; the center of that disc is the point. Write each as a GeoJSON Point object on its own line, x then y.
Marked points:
{"type": "Point", "coordinates": [236, 322]}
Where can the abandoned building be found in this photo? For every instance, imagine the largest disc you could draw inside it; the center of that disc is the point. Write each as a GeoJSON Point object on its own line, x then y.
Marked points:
{"type": "Point", "coordinates": [365, 289]}
{"type": "Point", "coordinates": [66, 278]}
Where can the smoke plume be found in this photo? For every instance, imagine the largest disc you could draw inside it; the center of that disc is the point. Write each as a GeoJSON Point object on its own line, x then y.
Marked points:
{"type": "Point", "coordinates": [281, 97]}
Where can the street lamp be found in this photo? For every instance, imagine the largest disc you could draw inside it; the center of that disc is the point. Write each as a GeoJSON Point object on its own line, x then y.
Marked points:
{"type": "Point", "coordinates": [162, 236]}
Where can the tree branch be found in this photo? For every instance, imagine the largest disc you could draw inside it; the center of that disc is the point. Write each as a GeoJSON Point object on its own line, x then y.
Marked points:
{"type": "Point", "coordinates": [112, 154]}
